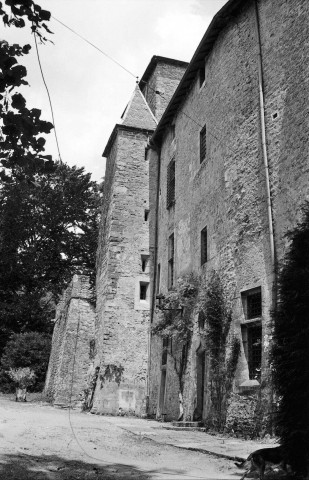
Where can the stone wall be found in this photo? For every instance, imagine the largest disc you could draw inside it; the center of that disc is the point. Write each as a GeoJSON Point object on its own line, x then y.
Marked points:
{"type": "Point", "coordinates": [226, 192]}
{"type": "Point", "coordinates": [72, 345]}
{"type": "Point", "coordinates": [162, 83]}
{"type": "Point", "coordinates": [123, 319]}
{"type": "Point", "coordinates": [123, 291]}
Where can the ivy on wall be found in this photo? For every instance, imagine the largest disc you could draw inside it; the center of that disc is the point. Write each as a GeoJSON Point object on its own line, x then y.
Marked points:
{"type": "Point", "coordinates": [222, 348]}
{"type": "Point", "coordinates": [192, 295]}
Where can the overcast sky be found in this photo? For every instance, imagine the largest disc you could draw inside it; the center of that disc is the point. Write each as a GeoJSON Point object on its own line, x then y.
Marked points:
{"type": "Point", "coordinates": [88, 91]}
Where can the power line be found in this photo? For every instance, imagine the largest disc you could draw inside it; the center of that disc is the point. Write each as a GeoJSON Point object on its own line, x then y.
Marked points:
{"type": "Point", "coordinates": [97, 48]}
{"type": "Point", "coordinates": [49, 97]}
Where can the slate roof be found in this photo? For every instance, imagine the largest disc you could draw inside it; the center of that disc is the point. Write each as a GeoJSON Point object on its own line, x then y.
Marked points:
{"type": "Point", "coordinates": [138, 114]}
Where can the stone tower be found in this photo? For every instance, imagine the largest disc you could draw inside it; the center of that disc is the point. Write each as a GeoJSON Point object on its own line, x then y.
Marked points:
{"type": "Point", "coordinates": [122, 325]}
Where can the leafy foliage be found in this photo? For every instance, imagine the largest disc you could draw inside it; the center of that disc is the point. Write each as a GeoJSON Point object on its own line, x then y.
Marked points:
{"type": "Point", "coordinates": [18, 12]}
{"type": "Point", "coordinates": [290, 351]}
{"type": "Point", "coordinates": [22, 143]}
{"type": "Point", "coordinates": [173, 323]}
{"type": "Point", "coordinates": [112, 373]}
{"type": "Point", "coordinates": [27, 350]}
{"type": "Point", "coordinates": [195, 295]}
{"type": "Point", "coordinates": [222, 348]}
{"type": "Point", "coordinates": [48, 211]}
{"type": "Point", "coordinates": [22, 377]}
{"type": "Point", "coordinates": [176, 323]}
{"type": "Point", "coordinates": [49, 231]}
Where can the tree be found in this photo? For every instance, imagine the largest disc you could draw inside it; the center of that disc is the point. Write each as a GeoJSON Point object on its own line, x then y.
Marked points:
{"type": "Point", "coordinates": [49, 228]}
{"type": "Point", "coordinates": [26, 350]}
{"type": "Point", "coordinates": [290, 351]}
{"type": "Point", "coordinates": [48, 211]}
{"type": "Point", "coordinates": [22, 145]}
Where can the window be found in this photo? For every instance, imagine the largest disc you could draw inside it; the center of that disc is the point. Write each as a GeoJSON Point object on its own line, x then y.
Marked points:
{"type": "Point", "coordinates": [143, 290]}
{"type": "Point", "coordinates": [252, 330]}
{"type": "Point", "coordinates": [201, 322]}
{"type": "Point", "coordinates": [164, 352]}
{"type": "Point", "coordinates": [158, 278]}
{"type": "Point", "coordinates": [252, 340]}
{"type": "Point", "coordinates": [170, 196]}
{"type": "Point", "coordinates": [203, 144]}
{"type": "Point", "coordinates": [252, 303]}
{"type": "Point", "coordinates": [146, 215]}
{"type": "Point", "coordinates": [173, 132]}
{"type": "Point", "coordinates": [171, 261]}
{"type": "Point", "coordinates": [145, 263]}
{"type": "Point", "coordinates": [202, 75]}
{"type": "Point", "coordinates": [204, 246]}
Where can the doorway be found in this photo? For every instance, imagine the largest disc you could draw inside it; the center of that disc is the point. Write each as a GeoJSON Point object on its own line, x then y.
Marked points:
{"type": "Point", "coordinates": [200, 384]}
{"type": "Point", "coordinates": [162, 393]}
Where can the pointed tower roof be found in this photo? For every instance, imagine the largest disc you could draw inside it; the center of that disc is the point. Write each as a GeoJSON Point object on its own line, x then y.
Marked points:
{"type": "Point", "coordinates": [138, 114]}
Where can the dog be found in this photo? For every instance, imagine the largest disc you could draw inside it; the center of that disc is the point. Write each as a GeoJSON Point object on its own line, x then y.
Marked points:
{"type": "Point", "coordinates": [260, 458]}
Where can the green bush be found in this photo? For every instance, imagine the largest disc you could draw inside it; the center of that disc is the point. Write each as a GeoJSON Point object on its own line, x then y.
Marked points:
{"type": "Point", "coordinates": [245, 416]}
{"type": "Point", "coordinates": [290, 348]}
{"type": "Point", "coordinates": [32, 350]}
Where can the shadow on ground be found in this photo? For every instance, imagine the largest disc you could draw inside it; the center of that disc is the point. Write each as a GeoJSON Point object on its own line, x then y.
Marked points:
{"type": "Point", "coordinates": [53, 467]}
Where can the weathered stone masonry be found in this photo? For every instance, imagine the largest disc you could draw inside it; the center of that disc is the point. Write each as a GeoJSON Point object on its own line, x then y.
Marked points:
{"type": "Point", "coordinates": [121, 334]}
{"type": "Point", "coordinates": [123, 293]}
{"type": "Point", "coordinates": [226, 192]}
{"type": "Point", "coordinates": [72, 345]}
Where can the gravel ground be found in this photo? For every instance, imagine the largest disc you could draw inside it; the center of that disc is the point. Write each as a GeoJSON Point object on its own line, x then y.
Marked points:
{"type": "Point", "coordinates": [39, 442]}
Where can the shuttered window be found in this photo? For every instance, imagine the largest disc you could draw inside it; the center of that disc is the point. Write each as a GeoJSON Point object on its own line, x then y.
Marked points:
{"type": "Point", "coordinates": [170, 200]}
{"type": "Point", "coordinates": [203, 144]}
{"type": "Point", "coordinates": [204, 246]}
{"type": "Point", "coordinates": [171, 261]}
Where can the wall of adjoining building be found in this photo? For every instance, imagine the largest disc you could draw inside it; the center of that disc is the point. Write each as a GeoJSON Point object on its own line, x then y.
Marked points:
{"type": "Point", "coordinates": [122, 323]}
{"type": "Point", "coordinates": [72, 345]}
{"type": "Point", "coordinates": [226, 192]}
{"type": "Point", "coordinates": [122, 329]}
{"type": "Point", "coordinates": [162, 83]}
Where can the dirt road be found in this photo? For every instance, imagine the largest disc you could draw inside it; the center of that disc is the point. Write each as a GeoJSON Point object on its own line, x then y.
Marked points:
{"type": "Point", "coordinates": [39, 442]}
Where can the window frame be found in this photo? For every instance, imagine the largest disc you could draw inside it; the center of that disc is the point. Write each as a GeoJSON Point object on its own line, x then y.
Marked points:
{"type": "Point", "coordinates": [145, 285]}
{"type": "Point", "coordinates": [171, 183]}
{"type": "Point", "coordinates": [171, 261]}
{"type": "Point", "coordinates": [204, 245]}
{"type": "Point", "coordinates": [203, 144]}
{"type": "Point", "coordinates": [202, 75]}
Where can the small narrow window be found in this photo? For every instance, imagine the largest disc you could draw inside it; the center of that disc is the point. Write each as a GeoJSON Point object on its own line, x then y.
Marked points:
{"type": "Point", "coordinates": [171, 261]}
{"type": "Point", "coordinates": [203, 144]}
{"type": "Point", "coordinates": [164, 351]}
{"type": "Point", "coordinates": [143, 291]}
{"type": "Point", "coordinates": [204, 246]}
{"type": "Point", "coordinates": [145, 263]}
{"type": "Point", "coordinates": [158, 278]}
{"type": "Point", "coordinates": [202, 75]}
{"type": "Point", "coordinates": [173, 132]}
{"type": "Point", "coordinates": [146, 215]}
{"type": "Point", "coordinates": [201, 321]}
{"type": "Point", "coordinates": [170, 195]}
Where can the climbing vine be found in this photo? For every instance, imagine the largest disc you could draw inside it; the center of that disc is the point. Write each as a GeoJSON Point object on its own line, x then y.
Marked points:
{"type": "Point", "coordinates": [176, 325]}
{"type": "Point", "coordinates": [222, 347]}
{"type": "Point", "coordinates": [178, 309]}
